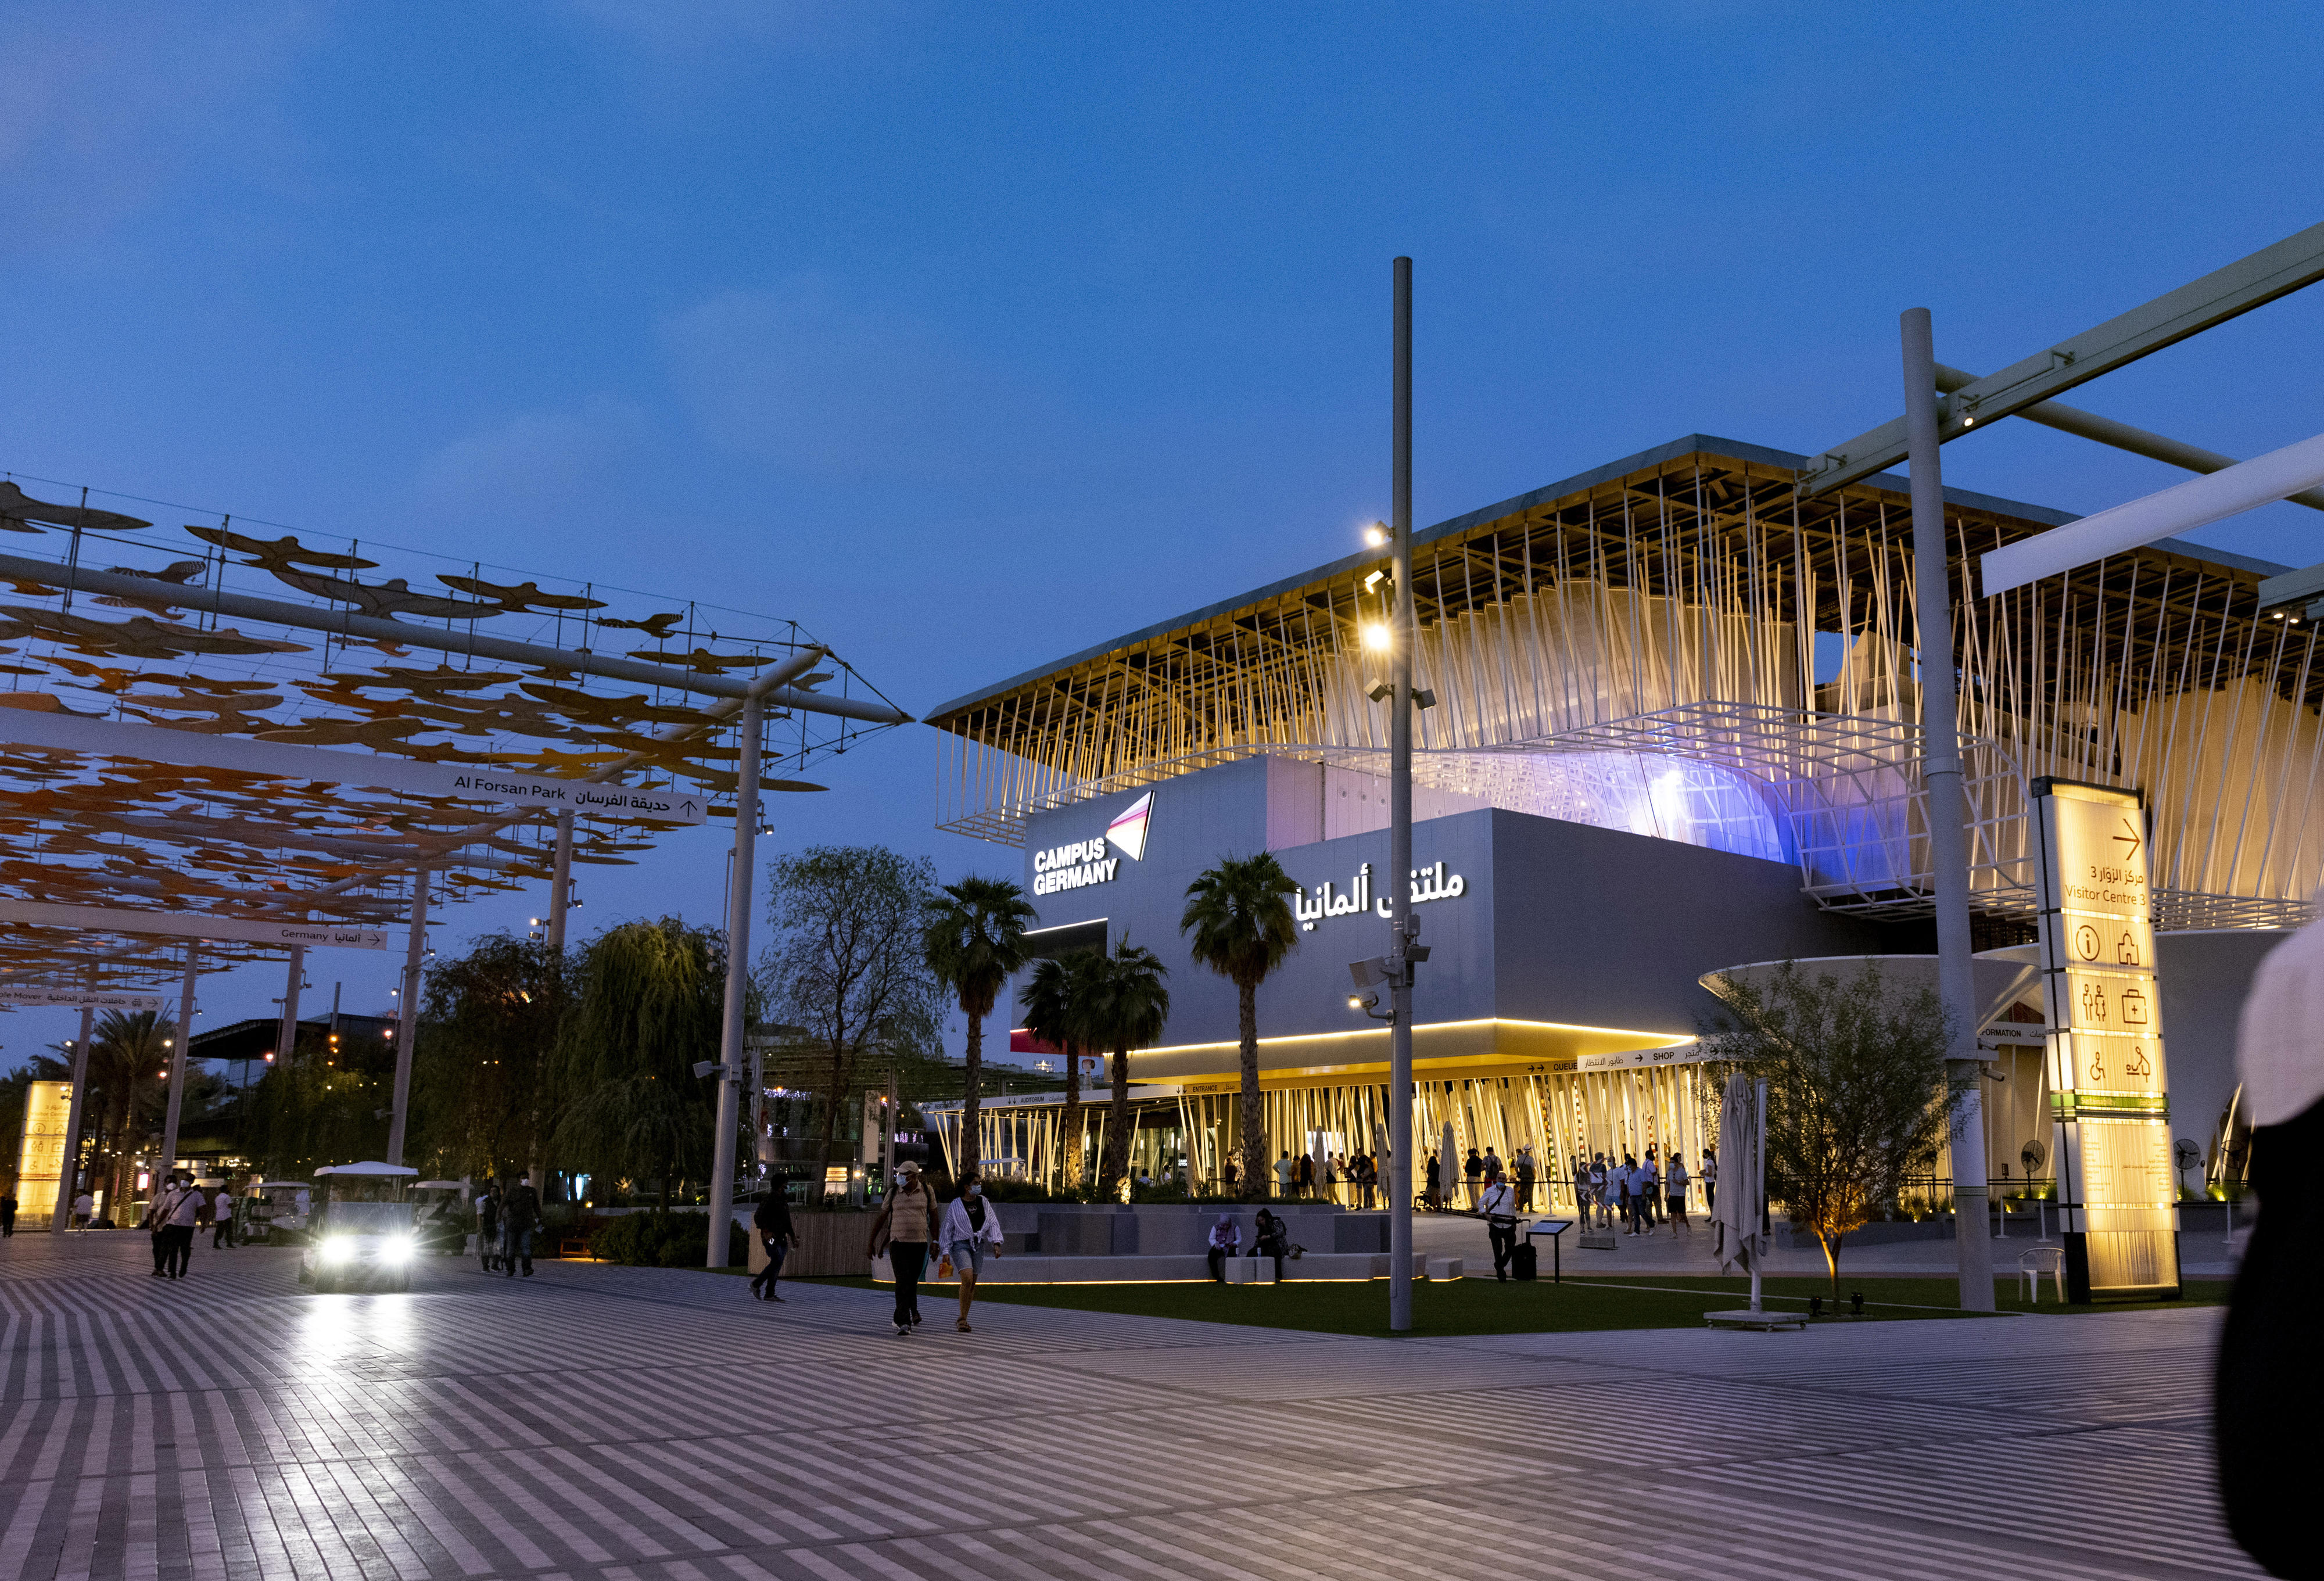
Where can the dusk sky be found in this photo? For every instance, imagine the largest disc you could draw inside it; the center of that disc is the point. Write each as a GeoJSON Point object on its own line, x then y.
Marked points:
{"type": "Point", "coordinates": [968, 336]}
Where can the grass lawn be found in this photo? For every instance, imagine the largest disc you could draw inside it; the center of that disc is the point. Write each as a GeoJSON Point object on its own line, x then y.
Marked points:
{"type": "Point", "coordinates": [1473, 1306]}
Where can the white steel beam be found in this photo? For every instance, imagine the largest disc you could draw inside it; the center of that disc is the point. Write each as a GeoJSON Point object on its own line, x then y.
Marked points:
{"type": "Point", "coordinates": [2249, 282]}
{"type": "Point", "coordinates": [2195, 504]}
{"type": "Point", "coordinates": [278, 930]}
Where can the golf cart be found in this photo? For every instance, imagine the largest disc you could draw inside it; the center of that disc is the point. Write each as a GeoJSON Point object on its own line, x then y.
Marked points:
{"type": "Point", "coordinates": [361, 1233]}
{"type": "Point", "coordinates": [443, 1218]}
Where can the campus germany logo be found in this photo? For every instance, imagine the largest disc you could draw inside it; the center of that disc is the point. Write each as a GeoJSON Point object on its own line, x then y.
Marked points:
{"type": "Point", "coordinates": [1128, 832]}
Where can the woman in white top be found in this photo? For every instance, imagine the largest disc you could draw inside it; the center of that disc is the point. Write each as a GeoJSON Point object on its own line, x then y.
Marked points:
{"type": "Point", "coordinates": [970, 1225]}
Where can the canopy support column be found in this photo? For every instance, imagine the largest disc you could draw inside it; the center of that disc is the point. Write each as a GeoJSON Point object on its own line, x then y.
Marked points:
{"type": "Point", "coordinates": [738, 980]}
{"type": "Point", "coordinates": [407, 1026]}
{"type": "Point", "coordinates": [179, 1055]}
{"type": "Point", "coordinates": [561, 879]}
{"type": "Point", "coordinates": [1942, 772]}
{"type": "Point", "coordinates": [69, 1171]}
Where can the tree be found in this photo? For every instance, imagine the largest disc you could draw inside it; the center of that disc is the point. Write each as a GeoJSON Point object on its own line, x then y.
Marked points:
{"type": "Point", "coordinates": [1058, 1004]}
{"type": "Point", "coordinates": [975, 942]}
{"type": "Point", "coordinates": [1857, 1098]}
{"type": "Point", "coordinates": [650, 1003]}
{"type": "Point", "coordinates": [847, 967]}
{"type": "Point", "coordinates": [125, 1051]}
{"type": "Point", "coordinates": [489, 1031]}
{"type": "Point", "coordinates": [1127, 1007]}
{"type": "Point", "coordinates": [1240, 913]}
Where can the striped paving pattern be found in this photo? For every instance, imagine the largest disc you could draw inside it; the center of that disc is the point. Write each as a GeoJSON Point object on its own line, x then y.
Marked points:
{"type": "Point", "coordinates": [603, 1424]}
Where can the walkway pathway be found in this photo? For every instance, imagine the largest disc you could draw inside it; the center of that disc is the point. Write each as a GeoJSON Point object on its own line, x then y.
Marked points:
{"type": "Point", "coordinates": [608, 1424]}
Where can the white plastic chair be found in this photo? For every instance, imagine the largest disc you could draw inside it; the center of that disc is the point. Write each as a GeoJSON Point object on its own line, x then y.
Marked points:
{"type": "Point", "coordinates": [2041, 1261]}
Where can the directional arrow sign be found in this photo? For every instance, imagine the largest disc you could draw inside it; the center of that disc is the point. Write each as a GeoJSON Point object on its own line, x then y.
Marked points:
{"type": "Point", "coordinates": [192, 925]}
{"type": "Point", "coordinates": [2129, 836]}
{"type": "Point", "coordinates": [154, 743]}
{"type": "Point", "coordinates": [99, 999]}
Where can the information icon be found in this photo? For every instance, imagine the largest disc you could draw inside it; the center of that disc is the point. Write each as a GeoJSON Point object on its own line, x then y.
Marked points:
{"type": "Point", "coordinates": [2086, 942]}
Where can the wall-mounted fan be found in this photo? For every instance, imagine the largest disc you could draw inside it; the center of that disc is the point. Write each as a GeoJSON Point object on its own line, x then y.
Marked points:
{"type": "Point", "coordinates": [2032, 1155]}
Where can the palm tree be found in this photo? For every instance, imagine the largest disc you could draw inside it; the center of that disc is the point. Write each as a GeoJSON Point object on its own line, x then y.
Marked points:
{"type": "Point", "coordinates": [1057, 1004]}
{"type": "Point", "coordinates": [1127, 1007]}
{"type": "Point", "coordinates": [1240, 913]}
{"type": "Point", "coordinates": [975, 941]}
{"type": "Point", "coordinates": [123, 1048]}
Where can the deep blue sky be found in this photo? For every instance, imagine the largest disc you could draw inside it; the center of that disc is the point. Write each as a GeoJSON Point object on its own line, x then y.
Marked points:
{"type": "Point", "coordinates": [971, 336]}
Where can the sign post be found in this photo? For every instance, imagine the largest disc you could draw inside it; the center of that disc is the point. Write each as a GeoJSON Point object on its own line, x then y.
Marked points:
{"type": "Point", "coordinates": [2108, 1097]}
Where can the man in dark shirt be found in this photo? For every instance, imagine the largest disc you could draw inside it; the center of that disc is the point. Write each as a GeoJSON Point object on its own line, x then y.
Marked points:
{"type": "Point", "coordinates": [520, 1216]}
{"type": "Point", "coordinates": [773, 1223]}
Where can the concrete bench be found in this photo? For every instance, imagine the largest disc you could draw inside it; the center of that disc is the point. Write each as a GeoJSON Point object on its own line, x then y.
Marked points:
{"type": "Point", "coordinates": [1443, 1267]}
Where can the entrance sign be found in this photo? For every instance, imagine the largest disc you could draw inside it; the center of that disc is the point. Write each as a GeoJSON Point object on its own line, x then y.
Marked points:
{"type": "Point", "coordinates": [96, 999]}
{"type": "Point", "coordinates": [2109, 1100]}
{"type": "Point", "coordinates": [281, 931]}
{"type": "Point", "coordinates": [192, 749]}
{"type": "Point", "coordinates": [41, 1151]}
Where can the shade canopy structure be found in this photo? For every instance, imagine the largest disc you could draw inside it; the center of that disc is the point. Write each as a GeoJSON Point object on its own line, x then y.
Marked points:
{"type": "Point", "coordinates": [202, 719]}
{"type": "Point", "coordinates": [370, 1170]}
{"type": "Point", "coordinates": [2005, 978]}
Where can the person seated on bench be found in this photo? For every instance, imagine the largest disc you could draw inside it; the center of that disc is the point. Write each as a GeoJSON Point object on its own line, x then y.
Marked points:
{"type": "Point", "coordinates": [1268, 1240]}
{"type": "Point", "coordinates": [1226, 1241]}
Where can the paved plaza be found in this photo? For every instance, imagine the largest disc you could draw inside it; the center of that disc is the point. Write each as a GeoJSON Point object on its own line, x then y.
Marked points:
{"type": "Point", "coordinates": [641, 1425]}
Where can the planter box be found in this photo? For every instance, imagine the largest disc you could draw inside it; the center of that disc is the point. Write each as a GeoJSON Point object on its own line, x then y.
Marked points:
{"type": "Point", "coordinates": [831, 1245]}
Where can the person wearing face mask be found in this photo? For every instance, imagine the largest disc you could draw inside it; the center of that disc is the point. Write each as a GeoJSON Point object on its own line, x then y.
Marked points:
{"type": "Point", "coordinates": [906, 1223]}
{"type": "Point", "coordinates": [971, 1225]}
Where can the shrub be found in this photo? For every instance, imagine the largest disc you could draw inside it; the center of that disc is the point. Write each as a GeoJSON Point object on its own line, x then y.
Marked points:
{"type": "Point", "coordinates": [646, 1240]}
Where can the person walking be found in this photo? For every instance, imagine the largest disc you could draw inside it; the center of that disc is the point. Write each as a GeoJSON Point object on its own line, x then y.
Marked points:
{"type": "Point", "coordinates": [520, 1218]}
{"type": "Point", "coordinates": [1285, 1172]}
{"type": "Point", "coordinates": [776, 1236]}
{"type": "Point", "coordinates": [971, 1225]}
{"type": "Point", "coordinates": [906, 1225]}
{"type": "Point", "coordinates": [1525, 1173]}
{"type": "Point", "coordinates": [1472, 1170]}
{"type": "Point", "coordinates": [1499, 1208]}
{"type": "Point", "coordinates": [488, 1224]}
{"type": "Point", "coordinates": [1494, 1167]}
{"type": "Point", "coordinates": [222, 1219]}
{"type": "Point", "coordinates": [1622, 1180]}
{"type": "Point", "coordinates": [1649, 1188]}
{"type": "Point", "coordinates": [84, 1209]}
{"type": "Point", "coordinates": [1674, 1192]}
{"type": "Point", "coordinates": [186, 1206]}
{"type": "Point", "coordinates": [1708, 1176]}
{"type": "Point", "coordinates": [1304, 1175]}
{"type": "Point", "coordinates": [1227, 1176]}
{"type": "Point", "coordinates": [1430, 1192]}
{"type": "Point", "coordinates": [1226, 1241]}
{"type": "Point", "coordinates": [7, 1212]}
{"type": "Point", "coordinates": [157, 1222]}
{"type": "Point", "coordinates": [1601, 1182]}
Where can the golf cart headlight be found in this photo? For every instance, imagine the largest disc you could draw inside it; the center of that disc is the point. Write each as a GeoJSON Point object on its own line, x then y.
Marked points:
{"type": "Point", "coordinates": [339, 1248]}
{"type": "Point", "coordinates": [395, 1249]}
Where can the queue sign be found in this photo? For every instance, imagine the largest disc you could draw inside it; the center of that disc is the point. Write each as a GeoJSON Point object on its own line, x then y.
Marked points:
{"type": "Point", "coordinates": [2109, 1095]}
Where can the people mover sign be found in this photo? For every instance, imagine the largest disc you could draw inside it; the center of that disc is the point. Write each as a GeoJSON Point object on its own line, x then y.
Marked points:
{"type": "Point", "coordinates": [1081, 863]}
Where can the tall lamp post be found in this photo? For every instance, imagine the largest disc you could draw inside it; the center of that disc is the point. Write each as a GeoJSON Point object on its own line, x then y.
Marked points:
{"type": "Point", "coordinates": [1400, 957]}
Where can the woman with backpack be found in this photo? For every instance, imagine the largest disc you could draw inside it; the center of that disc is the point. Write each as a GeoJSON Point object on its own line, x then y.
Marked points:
{"type": "Point", "coordinates": [971, 1225]}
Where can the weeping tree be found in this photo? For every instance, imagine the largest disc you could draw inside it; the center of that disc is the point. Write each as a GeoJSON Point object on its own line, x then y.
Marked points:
{"type": "Point", "coordinates": [1240, 914]}
{"type": "Point", "coordinates": [1059, 1002]}
{"type": "Point", "coordinates": [648, 1004]}
{"type": "Point", "coordinates": [1128, 1006]}
{"type": "Point", "coordinates": [846, 971]}
{"type": "Point", "coordinates": [490, 1024]}
{"type": "Point", "coordinates": [1858, 1100]}
{"type": "Point", "coordinates": [975, 942]}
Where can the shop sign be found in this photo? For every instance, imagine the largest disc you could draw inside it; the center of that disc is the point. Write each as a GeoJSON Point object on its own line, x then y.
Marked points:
{"type": "Point", "coordinates": [2109, 1098]}
{"type": "Point", "coordinates": [1081, 863]}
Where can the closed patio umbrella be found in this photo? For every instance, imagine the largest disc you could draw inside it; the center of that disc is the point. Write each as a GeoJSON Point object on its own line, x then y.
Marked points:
{"type": "Point", "coordinates": [1734, 1223]}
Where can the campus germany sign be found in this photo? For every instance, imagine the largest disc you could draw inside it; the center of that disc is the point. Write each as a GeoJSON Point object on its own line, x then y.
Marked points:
{"type": "Point", "coordinates": [285, 931]}
{"type": "Point", "coordinates": [2116, 1190]}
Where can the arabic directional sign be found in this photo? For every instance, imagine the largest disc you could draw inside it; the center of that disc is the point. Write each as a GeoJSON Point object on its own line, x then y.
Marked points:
{"type": "Point", "coordinates": [154, 743]}
{"type": "Point", "coordinates": [285, 931]}
{"type": "Point", "coordinates": [2108, 1097]}
{"type": "Point", "coordinates": [97, 999]}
